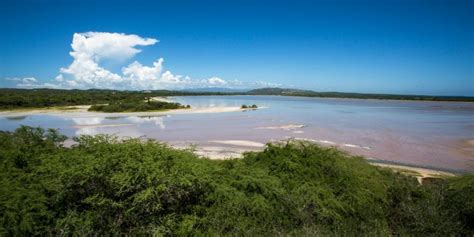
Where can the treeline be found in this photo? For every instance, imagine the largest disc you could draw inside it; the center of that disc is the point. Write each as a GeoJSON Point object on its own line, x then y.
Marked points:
{"type": "Point", "coordinates": [104, 186]}
{"type": "Point", "coordinates": [309, 93]}
{"type": "Point", "coordinates": [137, 106]}
{"type": "Point", "coordinates": [40, 98]}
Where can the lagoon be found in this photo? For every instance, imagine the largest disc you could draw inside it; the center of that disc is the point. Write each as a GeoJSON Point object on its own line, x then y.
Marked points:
{"type": "Point", "coordinates": [435, 135]}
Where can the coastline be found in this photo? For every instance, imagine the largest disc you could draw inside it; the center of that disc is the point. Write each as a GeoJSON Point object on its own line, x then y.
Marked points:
{"type": "Point", "coordinates": [82, 110]}
{"type": "Point", "coordinates": [233, 149]}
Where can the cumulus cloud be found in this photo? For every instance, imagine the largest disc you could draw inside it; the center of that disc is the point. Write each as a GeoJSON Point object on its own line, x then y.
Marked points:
{"type": "Point", "coordinates": [88, 49]}
{"type": "Point", "coordinates": [27, 82]}
{"type": "Point", "coordinates": [23, 80]}
{"type": "Point", "coordinates": [260, 84]}
{"type": "Point", "coordinates": [140, 76]}
{"type": "Point", "coordinates": [216, 81]}
{"type": "Point", "coordinates": [103, 45]}
{"type": "Point", "coordinates": [91, 49]}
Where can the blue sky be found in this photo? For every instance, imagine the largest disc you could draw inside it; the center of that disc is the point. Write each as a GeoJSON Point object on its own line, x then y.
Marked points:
{"type": "Point", "coordinates": [408, 47]}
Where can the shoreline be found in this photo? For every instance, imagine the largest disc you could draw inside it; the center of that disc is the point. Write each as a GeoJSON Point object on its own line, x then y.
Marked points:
{"type": "Point", "coordinates": [374, 99]}
{"type": "Point", "coordinates": [233, 149]}
{"type": "Point", "coordinates": [338, 98]}
{"type": "Point", "coordinates": [83, 111]}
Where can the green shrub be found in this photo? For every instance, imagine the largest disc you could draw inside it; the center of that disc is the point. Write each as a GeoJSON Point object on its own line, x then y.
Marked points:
{"type": "Point", "coordinates": [137, 106]}
{"type": "Point", "coordinates": [106, 186]}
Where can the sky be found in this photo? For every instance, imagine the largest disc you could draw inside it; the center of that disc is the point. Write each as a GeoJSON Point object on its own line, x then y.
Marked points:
{"type": "Point", "coordinates": [400, 47]}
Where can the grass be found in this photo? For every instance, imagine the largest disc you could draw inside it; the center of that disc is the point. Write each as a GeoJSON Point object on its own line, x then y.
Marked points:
{"type": "Point", "coordinates": [49, 108]}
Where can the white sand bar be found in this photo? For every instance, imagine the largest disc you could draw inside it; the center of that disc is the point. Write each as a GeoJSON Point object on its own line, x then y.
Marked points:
{"type": "Point", "coordinates": [81, 111]}
{"type": "Point", "coordinates": [239, 143]}
{"type": "Point", "coordinates": [284, 127]}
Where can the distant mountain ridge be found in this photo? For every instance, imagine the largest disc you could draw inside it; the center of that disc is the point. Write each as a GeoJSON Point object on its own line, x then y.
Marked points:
{"type": "Point", "coordinates": [13, 93]}
{"type": "Point", "coordinates": [310, 93]}
{"type": "Point", "coordinates": [279, 91]}
{"type": "Point", "coordinates": [215, 90]}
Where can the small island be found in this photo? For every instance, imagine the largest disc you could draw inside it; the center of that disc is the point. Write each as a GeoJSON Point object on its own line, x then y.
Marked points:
{"type": "Point", "coordinates": [137, 106]}
{"type": "Point", "coordinates": [254, 106]}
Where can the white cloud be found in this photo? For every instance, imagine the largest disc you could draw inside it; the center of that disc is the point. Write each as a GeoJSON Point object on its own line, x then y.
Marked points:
{"type": "Point", "coordinates": [261, 84]}
{"type": "Point", "coordinates": [216, 81]}
{"type": "Point", "coordinates": [87, 121]}
{"type": "Point", "coordinates": [155, 120]}
{"type": "Point", "coordinates": [28, 82]}
{"type": "Point", "coordinates": [103, 45]}
{"type": "Point", "coordinates": [90, 49]}
{"type": "Point", "coordinates": [23, 80]}
{"type": "Point", "coordinates": [144, 77]}
{"type": "Point", "coordinates": [59, 78]}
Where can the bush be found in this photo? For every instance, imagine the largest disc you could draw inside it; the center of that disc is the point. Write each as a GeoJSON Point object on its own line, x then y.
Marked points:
{"type": "Point", "coordinates": [137, 106]}
{"type": "Point", "coordinates": [108, 186]}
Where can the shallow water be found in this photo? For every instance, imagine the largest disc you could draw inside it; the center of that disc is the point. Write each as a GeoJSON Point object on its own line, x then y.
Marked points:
{"type": "Point", "coordinates": [427, 134]}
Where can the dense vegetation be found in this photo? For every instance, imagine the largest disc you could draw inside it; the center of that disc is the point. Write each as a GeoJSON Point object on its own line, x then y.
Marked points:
{"type": "Point", "coordinates": [40, 98]}
{"type": "Point", "coordinates": [309, 93]}
{"type": "Point", "coordinates": [137, 106]}
{"type": "Point", "coordinates": [105, 186]}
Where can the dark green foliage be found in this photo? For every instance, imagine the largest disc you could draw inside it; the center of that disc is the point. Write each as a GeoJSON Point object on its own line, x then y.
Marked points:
{"type": "Point", "coordinates": [137, 106]}
{"type": "Point", "coordinates": [249, 106]}
{"type": "Point", "coordinates": [310, 93]}
{"type": "Point", "coordinates": [104, 186]}
{"type": "Point", "coordinates": [40, 98]}
{"type": "Point", "coordinates": [459, 202]}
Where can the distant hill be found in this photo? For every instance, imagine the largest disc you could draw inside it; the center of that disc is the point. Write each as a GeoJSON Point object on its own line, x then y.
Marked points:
{"type": "Point", "coordinates": [310, 93]}
{"type": "Point", "coordinates": [215, 90]}
{"type": "Point", "coordinates": [19, 98]}
{"type": "Point", "coordinates": [280, 91]}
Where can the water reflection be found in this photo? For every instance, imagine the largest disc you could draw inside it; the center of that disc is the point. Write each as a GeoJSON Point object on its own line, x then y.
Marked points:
{"type": "Point", "coordinates": [113, 117]}
{"type": "Point", "coordinates": [124, 126]}
{"type": "Point", "coordinates": [157, 120]}
{"type": "Point", "coordinates": [87, 126]}
{"type": "Point", "coordinates": [87, 121]}
{"type": "Point", "coordinates": [16, 118]}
